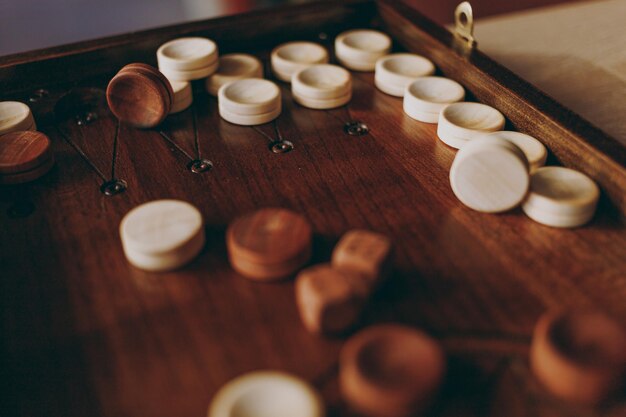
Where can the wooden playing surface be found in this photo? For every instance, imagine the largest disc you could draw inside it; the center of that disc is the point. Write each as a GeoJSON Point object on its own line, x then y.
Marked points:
{"type": "Point", "coordinates": [84, 333]}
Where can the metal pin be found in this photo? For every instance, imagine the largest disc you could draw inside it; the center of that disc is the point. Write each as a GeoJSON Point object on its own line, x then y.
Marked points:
{"type": "Point", "coordinates": [356, 128]}
{"type": "Point", "coordinates": [281, 146]}
{"type": "Point", "coordinates": [113, 187]}
{"type": "Point", "coordinates": [198, 166]}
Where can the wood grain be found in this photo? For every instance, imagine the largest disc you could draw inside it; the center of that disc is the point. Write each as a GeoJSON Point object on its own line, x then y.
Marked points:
{"type": "Point", "coordinates": [85, 333]}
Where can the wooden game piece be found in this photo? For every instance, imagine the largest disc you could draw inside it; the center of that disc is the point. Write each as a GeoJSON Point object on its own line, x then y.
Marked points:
{"type": "Point", "coordinates": [390, 371]}
{"type": "Point", "coordinates": [365, 253]}
{"type": "Point", "coordinates": [292, 57]}
{"type": "Point", "coordinates": [322, 82]}
{"type": "Point", "coordinates": [535, 151]}
{"type": "Point", "coordinates": [396, 71]}
{"type": "Point", "coordinates": [327, 300]}
{"type": "Point", "coordinates": [183, 96]}
{"type": "Point", "coordinates": [15, 117]}
{"type": "Point", "coordinates": [250, 96]}
{"type": "Point", "coordinates": [360, 49]}
{"type": "Point", "coordinates": [579, 356]}
{"type": "Point", "coordinates": [151, 72]}
{"type": "Point", "coordinates": [233, 67]}
{"type": "Point", "coordinates": [139, 97]}
{"type": "Point", "coordinates": [187, 54]}
{"type": "Point", "coordinates": [190, 75]}
{"type": "Point", "coordinates": [23, 151]}
{"type": "Point", "coordinates": [29, 175]}
{"type": "Point", "coordinates": [322, 104]}
{"type": "Point", "coordinates": [561, 197]}
{"type": "Point", "coordinates": [248, 119]}
{"type": "Point", "coordinates": [444, 135]}
{"type": "Point", "coordinates": [468, 121]}
{"type": "Point", "coordinates": [425, 97]}
{"type": "Point", "coordinates": [267, 394]}
{"type": "Point", "coordinates": [490, 175]}
{"type": "Point", "coordinates": [274, 239]}
{"type": "Point", "coordinates": [162, 235]}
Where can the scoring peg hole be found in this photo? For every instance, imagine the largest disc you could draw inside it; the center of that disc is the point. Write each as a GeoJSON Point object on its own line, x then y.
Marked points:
{"type": "Point", "coordinates": [356, 128]}
{"type": "Point", "coordinates": [199, 166]}
{"type": "Point", "coordinates": [283, 146]}
{"type": "Point", "coordinates": [113, 187]}
{"type": "Point", "coordinates": [38, 95]}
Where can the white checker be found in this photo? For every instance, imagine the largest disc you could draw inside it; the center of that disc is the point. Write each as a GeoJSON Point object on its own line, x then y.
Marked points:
{"type": "Point", "coordinates": [322, 104]}
{"type": "Point", "coordinates": [535, 151]}
{"type": "Point", "coordinates": [292, 57]}
{"type": "Point", "coordinates": [234, 67]}
{"type": "Point", "coordinates": [322, 82]}
{"type": "Point", "coordinates": [162, 234]}
{"type": "Point", "coordinates": [360, 49]}
{"type": "Point", "coordinates": [469, 121]}
{"type": "Point", "coordinates": [267, 394]}
{"type": "Point", "coordinates": [396, 71]}
{"type": "Point", "coordinates": [248, 119]}
{"type": "Point", "coordinates": [15, 116]}
{"type": "Point", "coordinates": [250, 96]}
{"type": "Point", "coordinates": [189, 75]}
{"type": "Point", "coordinates": [432, 94]}
{"type": "Point", "coordinates": [490, 175]}
{"type": "Point", "coordinates": [187, 54]}
{"type": "Point", "coordinates": [561, 197]}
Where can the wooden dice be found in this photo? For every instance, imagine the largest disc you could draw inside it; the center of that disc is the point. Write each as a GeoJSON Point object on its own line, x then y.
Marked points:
{"type": "Point", "coordinates": [24, 156]}
{"type": "Point", "coordinates": [363, 252]}
{"type": "Point", "coordinates": [330, 297]}
{"type": "Point", "coordinates": [269, 244]}
{"type": "Point", "coordinates": [140, 95]}
{"type": "Point", "coordinates": [579, 356]}
{"type": "Point", "coordinates": [390, 371]}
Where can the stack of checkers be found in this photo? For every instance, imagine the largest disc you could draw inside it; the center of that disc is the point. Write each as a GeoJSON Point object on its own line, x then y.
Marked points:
{"type": "Point", "coordinates": [187, 59]}
{"type": "Point", "coordinates": [140, 95]}
{"type": "Point", "coordinates": [183, 96]}
{"type": "Point", "coordinates": [322, 86]}
{"type": "Point", "coordinates": [15, 117]}
{"type": "Point", "coordinates": [162, 235]}
{"type": "Point", "coordinates": [289, 58]}
{"type": "Point", "coordinates": [425, 97]}
{"type": "Point", "coordinates": [249, 102]}
{"type": "Point", "coordinates": [561, 197]}
{"type": "Point", "coordinates": [233, 67]}
{"type": "Point", "coordinates": [360, 49]}
{"type": "Point", "coordinates": [395, 72]}
{"type": "Point", "coordinates": [459, 123]}
{"type": "Point", "coordinates": [269, 244]}
{"type": "Point", "coordinates": [24, 156]}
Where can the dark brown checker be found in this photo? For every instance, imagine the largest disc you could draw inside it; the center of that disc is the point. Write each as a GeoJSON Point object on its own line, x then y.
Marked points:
{"type": "Point", "coordinates": [23, 151]}
{"type": "Point", "coordinates": [139, 97]}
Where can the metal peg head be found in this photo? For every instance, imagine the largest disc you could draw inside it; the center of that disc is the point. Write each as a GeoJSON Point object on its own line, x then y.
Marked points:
{"type": "Point", "coordinates": [356, 128]}
{"type": "Point", "coordinates": [198, 166]}
{"type": "Point", "coordinates": [113, 187]}
{"type": "Point", "coordinates": [281, 146]}
{"type": "Point", "coordinates": [38, 94]}
{"type": "Point", "coordinates": [464, 24]}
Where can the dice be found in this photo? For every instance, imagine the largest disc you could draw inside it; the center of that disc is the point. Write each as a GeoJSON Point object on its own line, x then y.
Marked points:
{"type": "Point", "coordinates": [327, 299]}
{"type": "Point", "coordinates": [363, 252]}
{"type": "Point", "coordinates": [330, 297]}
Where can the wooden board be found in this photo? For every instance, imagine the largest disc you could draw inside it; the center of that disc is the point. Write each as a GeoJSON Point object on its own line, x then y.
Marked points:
{"type": "Point", "coordinates": [84, 333]}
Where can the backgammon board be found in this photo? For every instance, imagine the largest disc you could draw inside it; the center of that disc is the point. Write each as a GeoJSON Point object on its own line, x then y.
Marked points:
{"type": "Point", "coordinates": [85, 333]}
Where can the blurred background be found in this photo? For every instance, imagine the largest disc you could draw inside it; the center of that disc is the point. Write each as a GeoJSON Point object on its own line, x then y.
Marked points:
{"type": "Point", "coordinates": [33, 24]}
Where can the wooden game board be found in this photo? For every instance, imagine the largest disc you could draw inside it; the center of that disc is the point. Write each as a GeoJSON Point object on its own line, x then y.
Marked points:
{"type": "Point", "coordinates": [84, 333]}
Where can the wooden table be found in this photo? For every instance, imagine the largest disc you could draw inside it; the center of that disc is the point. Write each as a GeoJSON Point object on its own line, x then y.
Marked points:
{"type": "Point", "coordinates": [84, 333]}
